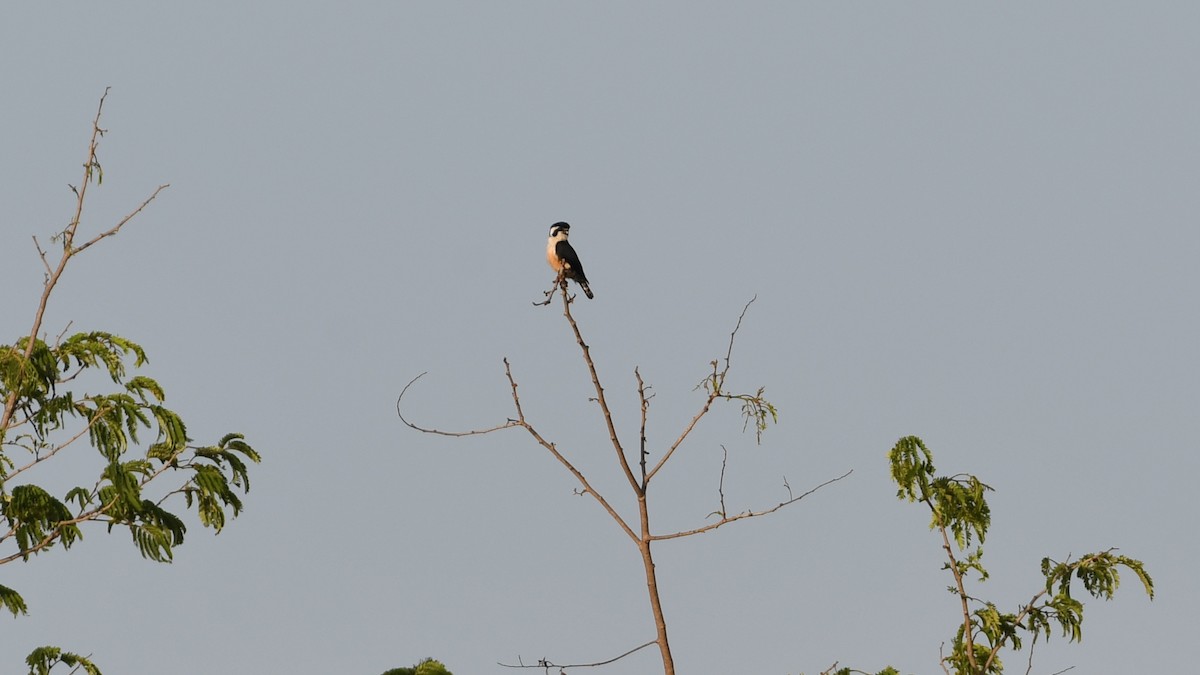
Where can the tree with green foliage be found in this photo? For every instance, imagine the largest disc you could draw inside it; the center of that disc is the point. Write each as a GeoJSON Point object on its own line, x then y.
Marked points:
{"type": "Point", "coordinates": [960, 514]}
{"type": "Point", "coordinates": [46, 410]}
{"type": "Point", "coordinates": [427, 667]}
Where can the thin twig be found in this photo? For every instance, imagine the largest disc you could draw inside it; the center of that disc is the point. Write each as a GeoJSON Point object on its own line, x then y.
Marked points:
{"type": "Point", "coordinates": [718, 382]}
{"type": "Point", "coordinates": [833, 668]}
{"type": "Point", "coordinates": [553, 449]}
{"type": "Point", "coordinates": [605, 410]}
{"type": "Point", "coordinates": [645, 401]}
{"type": "Point", "coordinates": [721, 483]}
{"type": "Point", "coordinates": [559, 281]}
{"type": "Point", "coordinates": [42, 255]}
{"type": "Point", "coordinates": [474, 432]}
{"type": "Point", "coordinates": [729, 352]}
{"type": "Point", "coordinates": [1032, 646]}
{"type": "Point", "coordinates": [117, 228]}
{"type": "Point", "coordinates": [523, 423]}
{"type": "Point", "coordinates": [942, 658]}
{"type": "Point", "coordinates": [543, 663]}
{"type": "Point", "coordinates": [747, 514]}
{"type": "Point", "coordinates": [58, 343]}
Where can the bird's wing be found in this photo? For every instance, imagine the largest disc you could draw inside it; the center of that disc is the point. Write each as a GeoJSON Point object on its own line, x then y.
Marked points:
{"type": "Point", "coordinates": [567, 254]}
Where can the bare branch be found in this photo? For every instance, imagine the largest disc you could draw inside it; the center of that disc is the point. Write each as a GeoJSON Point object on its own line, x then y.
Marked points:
{"type": "Point", "coordinates": [559, 282]}
{"type": "Point", "coordinates": [608, 421]}
{"type": "Point", "coordinates": [832, 669]}
{"type": "Point", "coordinates": [523, 423]}
{"type": "Point", "coordinates": [553, 449]}
{"type": "Point", "coordinates": [729, 352]}
{"type": "Point", "coordinates": [747, 514]}
{"type": "Point", "coordinates": [683, 435]}
{"type": "Point", "coordinates": [1032, 646]}
{"type": "Point", "coordinates": [58, 342]}
{"type": "Point", "coordinates": [942, 658]}
{"type": "Point", "coordinates": [88, 166]}
{"type": "Point", "coordinates": [645, 401]}
{"type": "Point", "coordinates": [544, 663]}
{"type": "Point", "coordinates": [42, 255]}
{"type": "Point", "coordinates": [474, 432]}
{"type": "Point", "coordinates": [117, 228]}
{"type": "Point", "coordinates": [717, 383]}
{"type": "Point", "coordinates": [721, 483]}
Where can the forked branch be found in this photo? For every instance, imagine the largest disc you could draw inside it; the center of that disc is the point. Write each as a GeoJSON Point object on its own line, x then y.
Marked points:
{"type": "Point", "coordinates": [638, 488]}
{"type": "Point", "coordinates": [715, 384]}
{"type": "Point", "coordinates": [520, 421]}
{"type": "Point", "coordinates": [726, 519]}
{"type": "Point", "coordinates": [91, 171]}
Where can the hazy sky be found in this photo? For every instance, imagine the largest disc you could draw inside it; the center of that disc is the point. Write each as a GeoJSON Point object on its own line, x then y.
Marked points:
{"type": "Point", "coordinates": [972, 223]}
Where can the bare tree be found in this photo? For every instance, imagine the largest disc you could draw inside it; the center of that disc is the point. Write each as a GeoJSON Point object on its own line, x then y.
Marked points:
{"type": "Point", "coordinates": [640, 474]}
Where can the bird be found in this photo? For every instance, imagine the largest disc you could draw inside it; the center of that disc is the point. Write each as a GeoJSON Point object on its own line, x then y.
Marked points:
{"type": "Point", "coordinates": [563, 259]}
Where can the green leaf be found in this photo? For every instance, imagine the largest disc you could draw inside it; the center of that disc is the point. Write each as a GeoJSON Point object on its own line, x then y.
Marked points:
{"type": "Point", "coordinates": [35, 516]}
{"type": "Point", "coordinates": [171, 430]}
{"type": "Point", "coordinates": [960, 506]}
{"type": "Point", "coordinates": [911, 465]}
{"type": "Point", "coordinates": [142, 385]}
{"type": "Point", "coordinates": [42, 659]}
{"type": "Point", "coordinates": [12, 601]}
{"type": "Point", "coordinates": [125, 483]}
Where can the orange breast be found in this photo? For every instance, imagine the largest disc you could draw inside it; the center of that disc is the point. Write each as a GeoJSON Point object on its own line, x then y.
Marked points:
{"type": "Point", "coordinates": [552, 258]}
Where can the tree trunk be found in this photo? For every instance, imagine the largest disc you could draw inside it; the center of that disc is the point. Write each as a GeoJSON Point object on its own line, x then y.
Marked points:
{"type": "Point", "coordinates": [660, 623]}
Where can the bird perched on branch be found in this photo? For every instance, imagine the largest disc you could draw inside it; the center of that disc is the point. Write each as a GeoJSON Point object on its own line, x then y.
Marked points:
{"type": "Point", "coordinates": [563, 258]}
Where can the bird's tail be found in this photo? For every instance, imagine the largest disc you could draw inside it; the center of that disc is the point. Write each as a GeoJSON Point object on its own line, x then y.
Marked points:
{"type": "Point", "coordinates": [587, 290]}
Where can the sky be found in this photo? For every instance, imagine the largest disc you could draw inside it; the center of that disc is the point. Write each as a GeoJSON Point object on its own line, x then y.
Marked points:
{"type": "Point", "coordinates": [974, 223]}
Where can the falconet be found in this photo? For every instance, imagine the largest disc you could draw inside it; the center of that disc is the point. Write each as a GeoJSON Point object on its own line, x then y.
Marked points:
{"type": "Point", "coordinates": [563, 258]}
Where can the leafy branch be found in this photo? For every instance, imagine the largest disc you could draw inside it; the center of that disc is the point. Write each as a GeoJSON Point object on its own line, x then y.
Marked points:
{"type": "Point", "coordinates": [43, 659]}
{"type": "Point", "coordinates": [960, 513]}
{"type": "Point", "coordinates": [42, 416]}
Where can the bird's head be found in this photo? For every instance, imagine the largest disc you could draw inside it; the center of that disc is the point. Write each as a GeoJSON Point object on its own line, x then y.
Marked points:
{"type": "Point", "coordinates": [560, 228]}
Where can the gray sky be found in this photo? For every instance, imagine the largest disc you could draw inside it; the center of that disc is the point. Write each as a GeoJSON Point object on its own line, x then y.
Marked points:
{"type": "Point", "coordinates": [976, 224]}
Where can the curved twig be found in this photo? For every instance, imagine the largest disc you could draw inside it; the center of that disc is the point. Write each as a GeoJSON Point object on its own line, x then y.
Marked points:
{"type": "Point", "coordinates": [473, 432]}
{"type": "Point", "coordinates": [524, 424]}
{"type": "Point", "coordinates": [544, 663]}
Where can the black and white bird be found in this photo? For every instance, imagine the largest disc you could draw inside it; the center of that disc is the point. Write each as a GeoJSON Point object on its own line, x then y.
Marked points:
{"type": "Point", "coordinates": [563, 258]}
